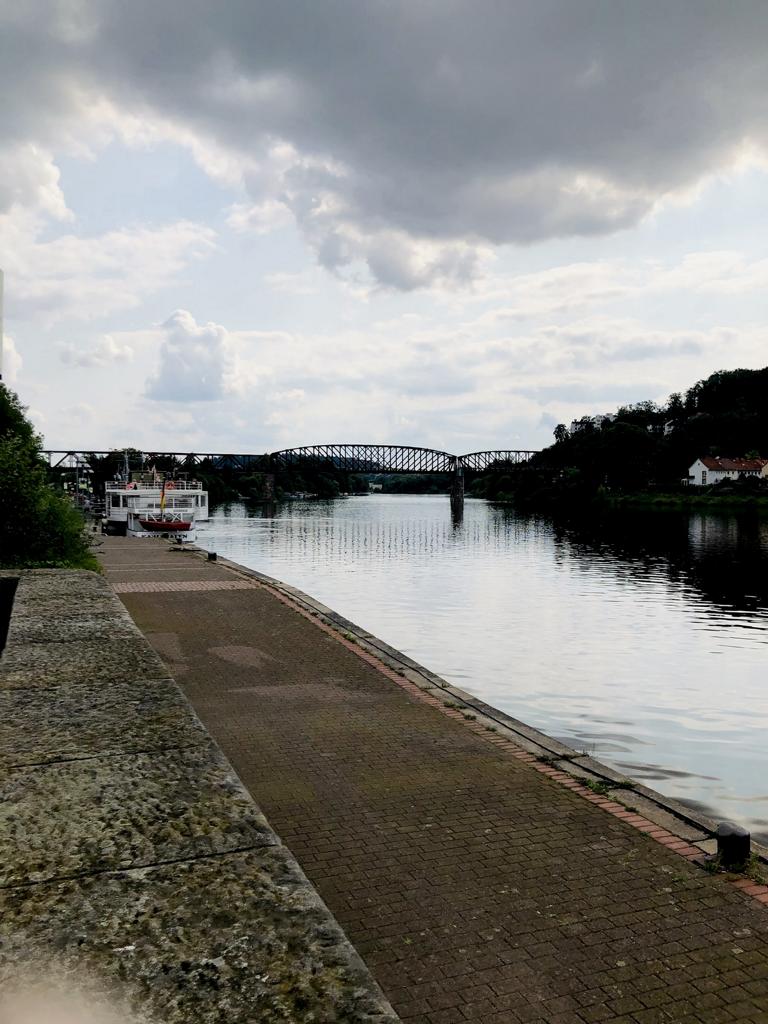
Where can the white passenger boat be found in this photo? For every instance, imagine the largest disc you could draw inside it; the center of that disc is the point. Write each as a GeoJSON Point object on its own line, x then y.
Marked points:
{"type": "Point", "coordinates": [151, 505]}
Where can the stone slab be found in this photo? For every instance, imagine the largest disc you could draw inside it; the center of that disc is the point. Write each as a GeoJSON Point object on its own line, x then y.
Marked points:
{"type": "Point", "coordinates": [69, 583]}
{"type": "Point", "coordinates": [48, 628]}
{"type": "Point", "coordinates": [55, 664]}
{"type": "Point", "coordinates": [104, 813]}
{"type": "Point", "coordinates": [239, 938]}
{"type": "Point", "coordinates": [38, 725]}
{"type": "Point", "coordinates": [87, 606]}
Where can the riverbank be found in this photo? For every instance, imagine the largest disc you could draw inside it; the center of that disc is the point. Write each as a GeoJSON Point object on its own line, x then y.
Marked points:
{"type": "Point", "coordinates": [647, 500]}
{"type": "Point", "coordinates": [727, 503]}
{"type": "Point", "coordinates": [478, 879]}
{"type": "Point", "coordinates": [136, 872]}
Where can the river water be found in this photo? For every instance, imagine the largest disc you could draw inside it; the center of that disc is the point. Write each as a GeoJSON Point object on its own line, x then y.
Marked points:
{"type": "Point", "coordinates": [640, 640]}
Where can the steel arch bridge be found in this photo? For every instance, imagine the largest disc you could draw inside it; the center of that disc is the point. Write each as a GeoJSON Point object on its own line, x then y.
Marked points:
{"type": "Point", "coordinates": [365, 458]}
{"type": "Point", "coordinates": [391, 458]}
{"type": "Point", "coordinates": [352, 458]}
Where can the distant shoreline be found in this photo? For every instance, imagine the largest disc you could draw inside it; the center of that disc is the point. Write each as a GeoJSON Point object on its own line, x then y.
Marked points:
{"type": "Point", "coordinates": [734, 502]}
{"type": "Point", "coordinates": [648, 501]}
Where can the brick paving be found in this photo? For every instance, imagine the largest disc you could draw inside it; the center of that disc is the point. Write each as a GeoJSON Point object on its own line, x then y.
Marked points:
{"type": "Point", "coordinates": [475, 883]}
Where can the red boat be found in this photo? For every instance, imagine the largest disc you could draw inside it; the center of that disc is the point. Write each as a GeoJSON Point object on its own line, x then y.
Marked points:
{"type": "Point", "coordinates": [165, 524]}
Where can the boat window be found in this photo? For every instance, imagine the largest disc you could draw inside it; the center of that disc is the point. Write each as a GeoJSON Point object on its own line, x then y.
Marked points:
{"type": "Point", "coordinates": [115, 500]}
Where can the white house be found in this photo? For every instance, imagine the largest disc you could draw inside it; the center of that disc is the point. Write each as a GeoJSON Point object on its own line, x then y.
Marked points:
{"type": "Point", "coordinates": [712, 470]}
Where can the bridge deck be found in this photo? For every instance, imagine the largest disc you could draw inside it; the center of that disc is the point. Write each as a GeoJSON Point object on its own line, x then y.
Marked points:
{"type": "Point", "coordinates": [475, 887]}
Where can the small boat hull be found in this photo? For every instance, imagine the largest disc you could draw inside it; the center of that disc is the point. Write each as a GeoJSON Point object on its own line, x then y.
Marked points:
{"type": "Point", "coordinates": [164, 525]}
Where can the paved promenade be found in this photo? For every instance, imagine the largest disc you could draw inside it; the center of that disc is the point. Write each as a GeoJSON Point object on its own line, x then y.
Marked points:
{"type": "Point", "coordinates": [475, 887]}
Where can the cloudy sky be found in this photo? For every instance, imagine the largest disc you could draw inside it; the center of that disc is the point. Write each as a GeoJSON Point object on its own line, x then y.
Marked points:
{"type": "Point", "coordinates": [252, 224]}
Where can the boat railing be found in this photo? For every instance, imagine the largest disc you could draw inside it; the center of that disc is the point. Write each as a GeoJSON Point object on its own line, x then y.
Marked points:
{"type": "Point", "coordinates": [170, 486]}
{"type": "Point", "coordinates": [168, 516]}
{"type": "Point", "coordinates": [154, 503]}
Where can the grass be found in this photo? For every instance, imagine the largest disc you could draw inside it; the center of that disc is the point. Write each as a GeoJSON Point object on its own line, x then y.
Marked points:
{"type": "Point", "coordinates": [752, 868]}
{"type": "Point", "coordinates": [601, 788]}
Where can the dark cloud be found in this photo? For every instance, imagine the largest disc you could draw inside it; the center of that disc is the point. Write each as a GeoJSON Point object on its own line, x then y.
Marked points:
{"type": "Point", "coordinates": [412, 132]}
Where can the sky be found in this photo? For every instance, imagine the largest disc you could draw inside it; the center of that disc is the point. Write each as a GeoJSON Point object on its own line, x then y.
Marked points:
{"type": "Point", "coordinates": [258, 224]}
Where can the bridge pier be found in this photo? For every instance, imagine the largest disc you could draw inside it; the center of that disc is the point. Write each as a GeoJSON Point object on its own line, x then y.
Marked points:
{"type": "Point", "coordinates": [457, 492]}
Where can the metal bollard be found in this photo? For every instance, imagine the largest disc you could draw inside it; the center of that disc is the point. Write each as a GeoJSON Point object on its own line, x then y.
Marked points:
{"type": "Point", "coordinates": [211, 556]}
{"type": "Point", "coordinates": [733, 845]}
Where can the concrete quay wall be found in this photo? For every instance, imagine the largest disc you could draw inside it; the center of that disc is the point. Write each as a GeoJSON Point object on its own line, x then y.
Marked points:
{"type": "Point", "coordinates": [133, 862]}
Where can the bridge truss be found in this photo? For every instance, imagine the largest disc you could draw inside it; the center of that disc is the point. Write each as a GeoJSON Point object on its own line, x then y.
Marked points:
{"type": "Point", "coordinates": [366, 458]}
{"type": "Point", "coordinates": [352, 458]}
{"type": "Point", "coordinates": [70, 459]}
{"type": "Point", "coordinates": [481, 461]}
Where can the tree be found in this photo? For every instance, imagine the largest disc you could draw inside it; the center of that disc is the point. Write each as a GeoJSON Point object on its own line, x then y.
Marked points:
{"type": "Point", "coordinates": [12, 418]}
{"type": "Point", "coordinates": [37, 526]}
{"type": "Point", "coordinates": [560, 432]}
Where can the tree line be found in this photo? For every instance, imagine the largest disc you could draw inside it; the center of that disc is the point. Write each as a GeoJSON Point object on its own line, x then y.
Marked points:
{"type": "Point", "coordinates": [645, 448]}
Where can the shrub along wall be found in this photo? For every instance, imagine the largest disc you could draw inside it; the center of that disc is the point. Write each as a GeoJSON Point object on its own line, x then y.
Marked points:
{"type": "Point", "coordinates": [38, 527]}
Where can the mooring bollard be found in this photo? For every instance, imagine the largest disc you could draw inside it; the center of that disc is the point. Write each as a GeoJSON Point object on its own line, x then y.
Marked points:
{"type": "Point", "coordinates": [733, 844]}
{"type": "Point", "coordinates": [211, 556]}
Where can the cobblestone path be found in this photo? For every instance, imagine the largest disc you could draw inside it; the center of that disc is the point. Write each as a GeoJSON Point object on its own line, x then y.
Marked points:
{"type": "Point", "coordinates": [475, 888]}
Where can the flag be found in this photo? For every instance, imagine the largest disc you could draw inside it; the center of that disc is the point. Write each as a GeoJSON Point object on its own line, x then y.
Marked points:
{"type": "Point", "coordinates": [162, 497]}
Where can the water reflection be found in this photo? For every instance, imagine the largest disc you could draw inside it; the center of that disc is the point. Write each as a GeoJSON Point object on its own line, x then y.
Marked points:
{"type": "Point", "coordinates": [639, 639]}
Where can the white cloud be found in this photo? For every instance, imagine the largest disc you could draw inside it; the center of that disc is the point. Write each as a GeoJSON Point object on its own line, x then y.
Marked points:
{"type": "Point", "coordinates": [11, 360]}
{"type": "Point", "coordinates": [258, 218]}
{"type": "Point", "coordinates": [195, 362]}
{"type": "Point", "coordinates": [30, 179]}
{"type": "Point", "coordinates": [568, 289]}
{"type": "Point", "coordinates": [79, 413]}
{"type": "Point", "coordinates": [91, 277]}
{"type": "Point", "coordinates": [303, 282]}
{"type": "Point", "coordinates": [105, 352]}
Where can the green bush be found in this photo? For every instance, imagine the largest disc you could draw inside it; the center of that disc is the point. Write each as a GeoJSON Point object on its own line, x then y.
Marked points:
{"type": "Point", "coordinates": [38, 528]}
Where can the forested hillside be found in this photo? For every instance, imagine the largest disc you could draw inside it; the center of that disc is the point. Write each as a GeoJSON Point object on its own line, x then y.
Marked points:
{"type": "Point", "coordinates": [644, 448]}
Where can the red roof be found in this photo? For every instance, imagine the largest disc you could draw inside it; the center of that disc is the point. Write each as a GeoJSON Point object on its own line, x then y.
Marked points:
{"type": "Point", "coordinates": [731, 465]}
